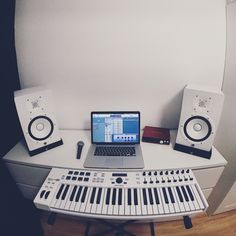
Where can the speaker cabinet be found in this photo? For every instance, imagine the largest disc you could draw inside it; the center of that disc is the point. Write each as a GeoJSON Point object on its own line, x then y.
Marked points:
{"type": "Point", "coordinates": [200, 115]}
{"type": "Point", "coordinates": [36, 114]}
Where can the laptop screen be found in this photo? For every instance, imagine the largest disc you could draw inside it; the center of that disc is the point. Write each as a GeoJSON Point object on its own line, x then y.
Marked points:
{"type": "Point", "coordinates": [115, 127]}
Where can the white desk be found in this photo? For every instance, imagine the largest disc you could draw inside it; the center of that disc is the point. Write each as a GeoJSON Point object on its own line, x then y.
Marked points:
{"type": "Point", "coordinates": [30, 172]}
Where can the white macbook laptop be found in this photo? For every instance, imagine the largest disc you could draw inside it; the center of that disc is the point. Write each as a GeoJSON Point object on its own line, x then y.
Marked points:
{"type": "Point", "coordinates": [115, 138]}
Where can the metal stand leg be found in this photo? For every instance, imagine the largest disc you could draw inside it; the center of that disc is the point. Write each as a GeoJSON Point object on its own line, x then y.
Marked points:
{"type": "Point", "coordinates": [187, 222]}
{"type": "Point", "coordinates": [152, 229]}
{"type": "Point", "coordinates": [52, 218]}
{"type": "Point", "coordinates": [86, 233]}
{"type": "Point", "coordinates": [119, 228]}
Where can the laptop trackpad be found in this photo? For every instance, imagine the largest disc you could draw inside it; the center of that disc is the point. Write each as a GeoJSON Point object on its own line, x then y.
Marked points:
{"type": "Point", "coordinates": [116, 162]}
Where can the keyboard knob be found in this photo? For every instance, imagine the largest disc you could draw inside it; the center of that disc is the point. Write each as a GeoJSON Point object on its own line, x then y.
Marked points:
{"type": "Point", "coordinates": [155, 173]}
{"type": "Point", "coordinates": [119, 180]}
{"type": "Point", "coordinates": [149, 173]}
{"type": "Point", "coordinates": [144, 173]}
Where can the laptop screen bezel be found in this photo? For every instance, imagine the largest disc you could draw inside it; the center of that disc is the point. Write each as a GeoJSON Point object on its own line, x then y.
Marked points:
{"type": "Point", "coordinates": [115, 112]}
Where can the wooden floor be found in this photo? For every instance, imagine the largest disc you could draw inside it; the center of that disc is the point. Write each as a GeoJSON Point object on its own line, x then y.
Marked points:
{"type": "Point", "coordinates": [222, 224]}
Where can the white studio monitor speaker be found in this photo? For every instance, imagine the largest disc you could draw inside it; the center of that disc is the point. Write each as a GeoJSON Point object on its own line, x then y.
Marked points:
{"type": "Point", "coordinates": [35, 111]}
{"type": "Point", "coordinates": [200, 115]}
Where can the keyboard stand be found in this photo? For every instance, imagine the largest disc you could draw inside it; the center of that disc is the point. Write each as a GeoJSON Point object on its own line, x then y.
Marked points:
{"type": "Point", "coordinates": [117, 227]}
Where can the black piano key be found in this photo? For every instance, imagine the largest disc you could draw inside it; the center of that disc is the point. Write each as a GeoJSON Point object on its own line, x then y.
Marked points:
{"type": "Point", "coordinates": [120, 197]}
{"type": "Point", "coordinates": [190, 193]}
{"type": "Point", "coordinates": [179, 194]}
{"type": "Point", "coordinates": [84, 194]}
{"type": "Point", "coordinates": [73, 193]}
{"type": "Point", "coordinates": [93, 195]}
{"type": "Point", "coordinates": [156, 196]}
{"type": "Point", "coordinates": [60, 191]}
{"type": "Point", "coordinates": [78, 194]}
{"type": "Point", "coordinates": [185, 194]}
{"type": "Point", "coordinates": [98, 200]}
{"type": "Point", "coordinates": [108, 196]}
{"type": "Point", "coordinates": [165, 196]}
{"type": "Point", "coordinates": [129, 196]}
{"type": "Point", "coordinates": [144, 196]}
{"type": "Point", "coordinates": [150, 196]}
{"type": "Point", "coordinates": [65, 192]}
{"type": "Point", "coordinates": [135, 197]}
{"type": "Point", "coordinates": [171, 195]}
{"type": "Point", "coordinates": [114, 197]}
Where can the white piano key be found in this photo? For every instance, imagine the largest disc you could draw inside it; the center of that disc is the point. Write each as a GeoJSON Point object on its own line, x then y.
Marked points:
{"type": "Point", "coordinates": [143, 207]}
{"type": "Point", "coordinates": [186, 205]}
{"type": "Point", "coordinates": [176, 205]}
{"type": "Point", "coordinates": [155, 205]}
{"type": "Point", "coordinates": [122, 206]}
{"type": "Point", "coordinates": [88, 205]}
{"type": "Point", "coordinates": [59, 200]}
{"type": "Point", "coordinates": [110, 206]}
{"type": "Point", "coordinates": [165, 205]}
{"type": "Point", "coordinates": [78, 204]}
{"type": "Point", "coordinates": [54, 200]}
{"type": "Point", "coordinates": [199, 200]}
{"type": "Point", "coordinates": [94, 205]}
{"type": "Point", "coordinates": [191, 205]}
{"type": "Point", "coordinates": [132, 207]}
{"type": "Point", "coordinates": [160, 205]}
{"type": "Point", "coordinates": [57, 203]}
{"type": "Point", "coordinates": [116, 207]}
{"type": "Point", "coordinates": [63, 202]}
{"type": "Point", "coordinates": [149, 206]}
{"type": "Point", "coordinates": [102, 202]}
{"type": "Point", "coordinates": [138, 207]}
{"type": "Point", "coordinates": [73, 203]}
{"type": "Point", "coordinates": [171, 206]}
{"type": "Point", "coordinates": [127, 207]}
{"type": "Point", "coordinates": [105, 206]}
{"type": "Point", "coordinates": [195, 203]}
{"type": "Point", "coordinates": [68, 202]}
{"type": "Point", "coordinates": [181, 204]}
{"type": "Point", "coordinates": [83, 204]}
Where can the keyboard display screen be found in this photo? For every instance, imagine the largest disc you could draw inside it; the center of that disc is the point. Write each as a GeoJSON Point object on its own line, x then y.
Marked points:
{"type": "Point", "coordinates": [115, 127]}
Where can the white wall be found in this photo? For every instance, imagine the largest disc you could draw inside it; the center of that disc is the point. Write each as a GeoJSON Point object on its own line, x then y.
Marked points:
{"type": "Point", "coordinates": [226, 140]}
{"type": "Point", "coordinates": [120, 54]}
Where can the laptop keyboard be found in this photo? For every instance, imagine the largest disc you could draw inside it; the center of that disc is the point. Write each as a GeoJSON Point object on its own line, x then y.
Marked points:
{"type": "Point", "coordinates": [114, 151]}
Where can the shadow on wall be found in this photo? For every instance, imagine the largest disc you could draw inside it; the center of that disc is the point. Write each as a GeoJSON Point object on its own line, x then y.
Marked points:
{"type": "Point", "coordinates": [171, 112]}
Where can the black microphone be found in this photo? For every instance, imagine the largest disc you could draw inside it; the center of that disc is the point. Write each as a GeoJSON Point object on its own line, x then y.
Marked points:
{"type": "Point", "coordinates": [80, 145]}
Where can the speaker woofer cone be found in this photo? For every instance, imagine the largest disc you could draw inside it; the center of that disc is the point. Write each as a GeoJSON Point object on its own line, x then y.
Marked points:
{"type": "Point", "coordinates": [40, 128]}
{"type": "Point", "coordinates": [197, 128]}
